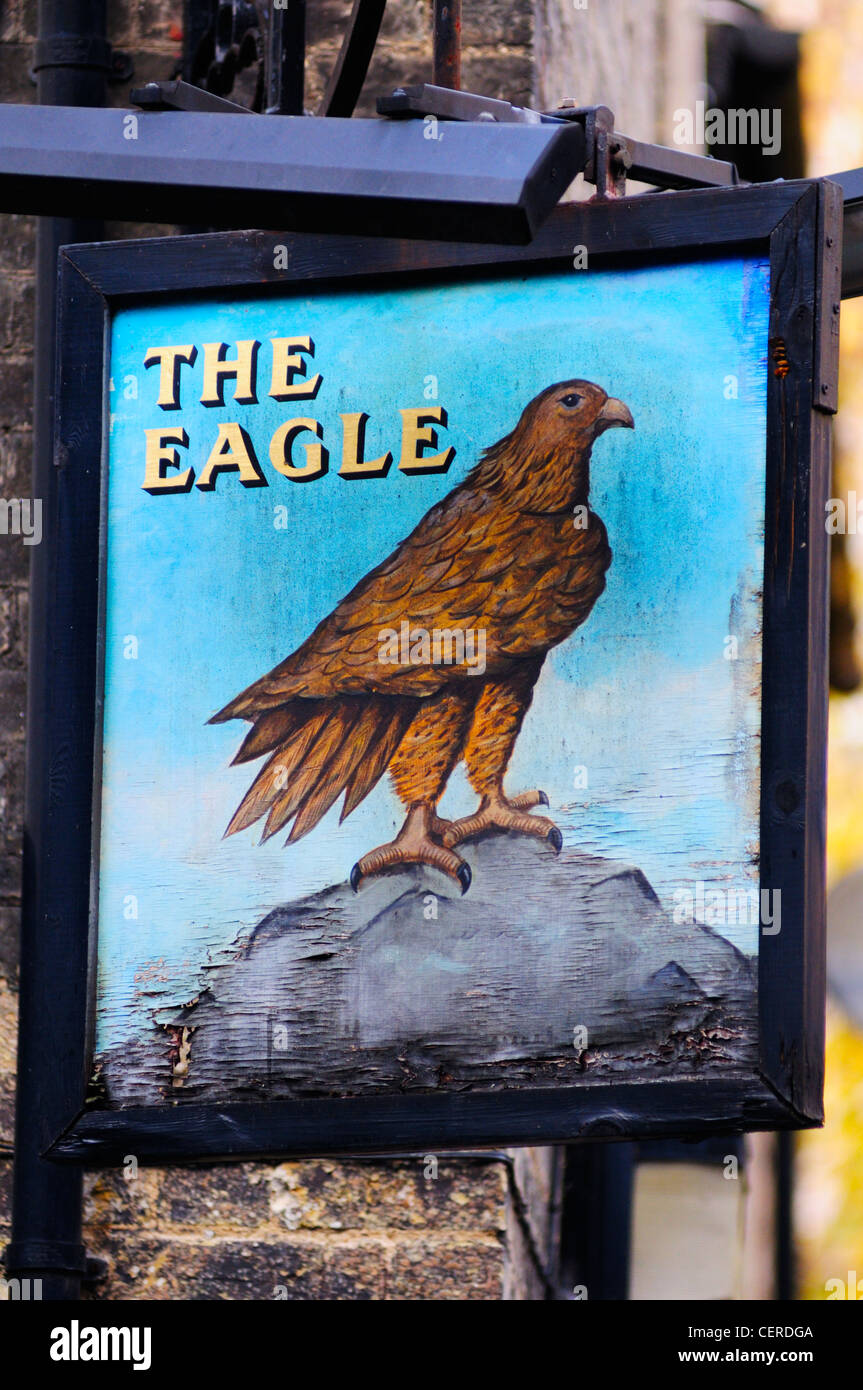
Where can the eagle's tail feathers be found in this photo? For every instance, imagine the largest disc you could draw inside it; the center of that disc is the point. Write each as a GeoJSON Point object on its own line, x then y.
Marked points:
{"type": "Point", "coordinates": [257, 798]}
{"type": "Point", "coordinates": [270, 729]}
{"type": "Point", "coordinates": [273, 776]}
{"type": "Point", "coordinates": [361, 742]}
{"type": "Point", "coordinates": [341, 718]}
{"type": "Point", "coordinates": [342, 745]}
{"type": "Point", "coordinates": [368, 773]}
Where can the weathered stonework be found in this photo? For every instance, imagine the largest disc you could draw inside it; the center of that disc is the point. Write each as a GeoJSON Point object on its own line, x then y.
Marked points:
{"type": "Point", "coordinates": [315, 1230]}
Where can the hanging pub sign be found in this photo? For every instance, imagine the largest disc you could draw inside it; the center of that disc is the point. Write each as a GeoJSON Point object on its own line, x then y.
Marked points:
{"type": "Point", "coordinates": [438, 708]}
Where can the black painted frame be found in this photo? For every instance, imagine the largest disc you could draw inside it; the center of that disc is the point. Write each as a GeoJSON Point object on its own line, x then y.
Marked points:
{"type": "Point", "coordinates": [799, 224]}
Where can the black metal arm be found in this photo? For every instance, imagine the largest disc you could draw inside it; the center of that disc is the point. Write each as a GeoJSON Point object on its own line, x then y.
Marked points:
{"type": "Point", "coordinates": [482, 183]}
{"type": "Point", "coordinates": [611, 156]}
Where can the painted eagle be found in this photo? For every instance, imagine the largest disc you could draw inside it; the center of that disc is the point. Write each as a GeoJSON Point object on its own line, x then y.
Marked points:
{"type": "Point", "coordinates": [513, 553]}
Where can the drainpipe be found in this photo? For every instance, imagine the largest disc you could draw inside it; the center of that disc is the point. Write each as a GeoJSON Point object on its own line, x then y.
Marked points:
{"type": "Point", "coordinates": [72, 64]}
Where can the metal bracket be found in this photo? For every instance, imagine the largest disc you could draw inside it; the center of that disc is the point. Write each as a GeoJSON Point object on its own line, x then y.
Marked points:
{"type": "Point", "coordinates": [611, 158]}
{"type": "Point", "coordinates": [29, 1257]}
{"type": "Point", "coordinates": [224, 37]}
{"type": "Point", "coordinates": [606, 163]}
{"type": "Point", "coordinates": [182, 96]}
{"type": "Point", "coordinates": [448, 105]}
{"type": "Point", "coordinates": [223, 40]}
{"type": "Point", "coordinates": [73, 51]}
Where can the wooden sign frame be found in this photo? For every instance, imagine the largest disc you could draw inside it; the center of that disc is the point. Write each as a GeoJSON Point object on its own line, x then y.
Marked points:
{"type": "Point", "coordinates": [798, 225]}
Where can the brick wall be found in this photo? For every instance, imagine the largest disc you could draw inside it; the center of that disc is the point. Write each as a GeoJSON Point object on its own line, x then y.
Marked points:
{"type": "Point", "coordinates": [315, 1230]}
{"type": "Point", "coordinates": [322, 1230]}
{"type": "Point", "coordinates": [16, 366]}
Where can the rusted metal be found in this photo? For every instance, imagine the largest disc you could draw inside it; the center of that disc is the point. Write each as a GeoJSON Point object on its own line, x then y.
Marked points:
{"type": "Point", "coordinates": [447, 43]}
{"type": "Point", "coordinates": [610, 174]}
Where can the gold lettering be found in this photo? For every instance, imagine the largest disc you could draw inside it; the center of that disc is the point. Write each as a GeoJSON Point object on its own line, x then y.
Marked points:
{"type": "Point", "coordinates": [281, 446]}
{"type": "Point", "coordinates": [243, 367]}
{"type": "Point", "coordinates": [286, 362]}
{"type": "Point", "coordinates": [417, 431]}
{"type": "Point", "coordinates": [160, 456]}
{"type": "Point", "coordinates": [353, 463]}
{"type": "Point", "coordinates": [232, 451]}
{"type": "Point", "coordinates": [170, 360]}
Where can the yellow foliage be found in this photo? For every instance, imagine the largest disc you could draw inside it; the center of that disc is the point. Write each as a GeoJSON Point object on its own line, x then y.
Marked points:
{"type": "Point", "coordinates": [828, 1209]}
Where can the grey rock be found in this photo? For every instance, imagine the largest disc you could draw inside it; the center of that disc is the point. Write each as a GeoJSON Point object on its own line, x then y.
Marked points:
{"type": "Point", "coordinates": [550, 970]}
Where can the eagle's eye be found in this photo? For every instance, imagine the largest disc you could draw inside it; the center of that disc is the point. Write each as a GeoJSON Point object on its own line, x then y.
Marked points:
{"type": "Point", "coordinates": [571, 401]}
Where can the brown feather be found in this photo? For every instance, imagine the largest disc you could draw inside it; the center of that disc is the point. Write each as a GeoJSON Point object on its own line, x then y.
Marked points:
{"type": "Point", "coordinates": [269, 730]}
{"type": "Point", "coordinates": [275, 773]}
{"type": "Point", "coordinates": [369, 773]}
{"type": "Point", "coordinates": [330, 786]}
{"type": "Point", "coordinates": [257, 798]}
{"type": "Point", "coordinates": [343, 715]}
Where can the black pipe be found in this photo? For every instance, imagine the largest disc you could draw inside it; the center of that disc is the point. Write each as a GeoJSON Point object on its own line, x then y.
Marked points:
{"type": "Point", "coordinates": [596, 1222]}
{"type": "Point", "coordinates": [285, 63]}
{"type": "Point", "coordinates": [72, 63]}
{"type": "Point", "coordinates": [785, 1263]}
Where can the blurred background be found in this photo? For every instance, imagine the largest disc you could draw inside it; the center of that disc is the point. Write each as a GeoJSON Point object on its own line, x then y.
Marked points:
{"type": "Point", "coordinates": [828, 1190]}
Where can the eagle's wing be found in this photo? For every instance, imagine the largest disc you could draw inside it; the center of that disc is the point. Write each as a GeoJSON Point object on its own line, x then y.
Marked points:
{"type": "Point", "coordinates": [453, 572]}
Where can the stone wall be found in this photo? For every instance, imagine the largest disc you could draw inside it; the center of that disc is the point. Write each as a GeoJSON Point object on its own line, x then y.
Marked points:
{"type": "Point", "coordinates": [642, 59]}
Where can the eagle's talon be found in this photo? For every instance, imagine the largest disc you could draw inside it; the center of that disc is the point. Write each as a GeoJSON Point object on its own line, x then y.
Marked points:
{"type": "Point", "coordinates": [414, 844]}
{"type": "Point", "coordinates": [525, 801]}
{"type": "Point", "coordinates": [498, 812]}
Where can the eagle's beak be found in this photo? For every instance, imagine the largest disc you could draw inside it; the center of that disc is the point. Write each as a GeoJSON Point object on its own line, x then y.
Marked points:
{"type": "Point", "coordinates": [614, 413]}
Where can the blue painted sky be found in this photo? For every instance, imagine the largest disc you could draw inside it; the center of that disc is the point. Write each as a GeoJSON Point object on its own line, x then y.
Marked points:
{"type": "Point", "coordinates": [215, 594]}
